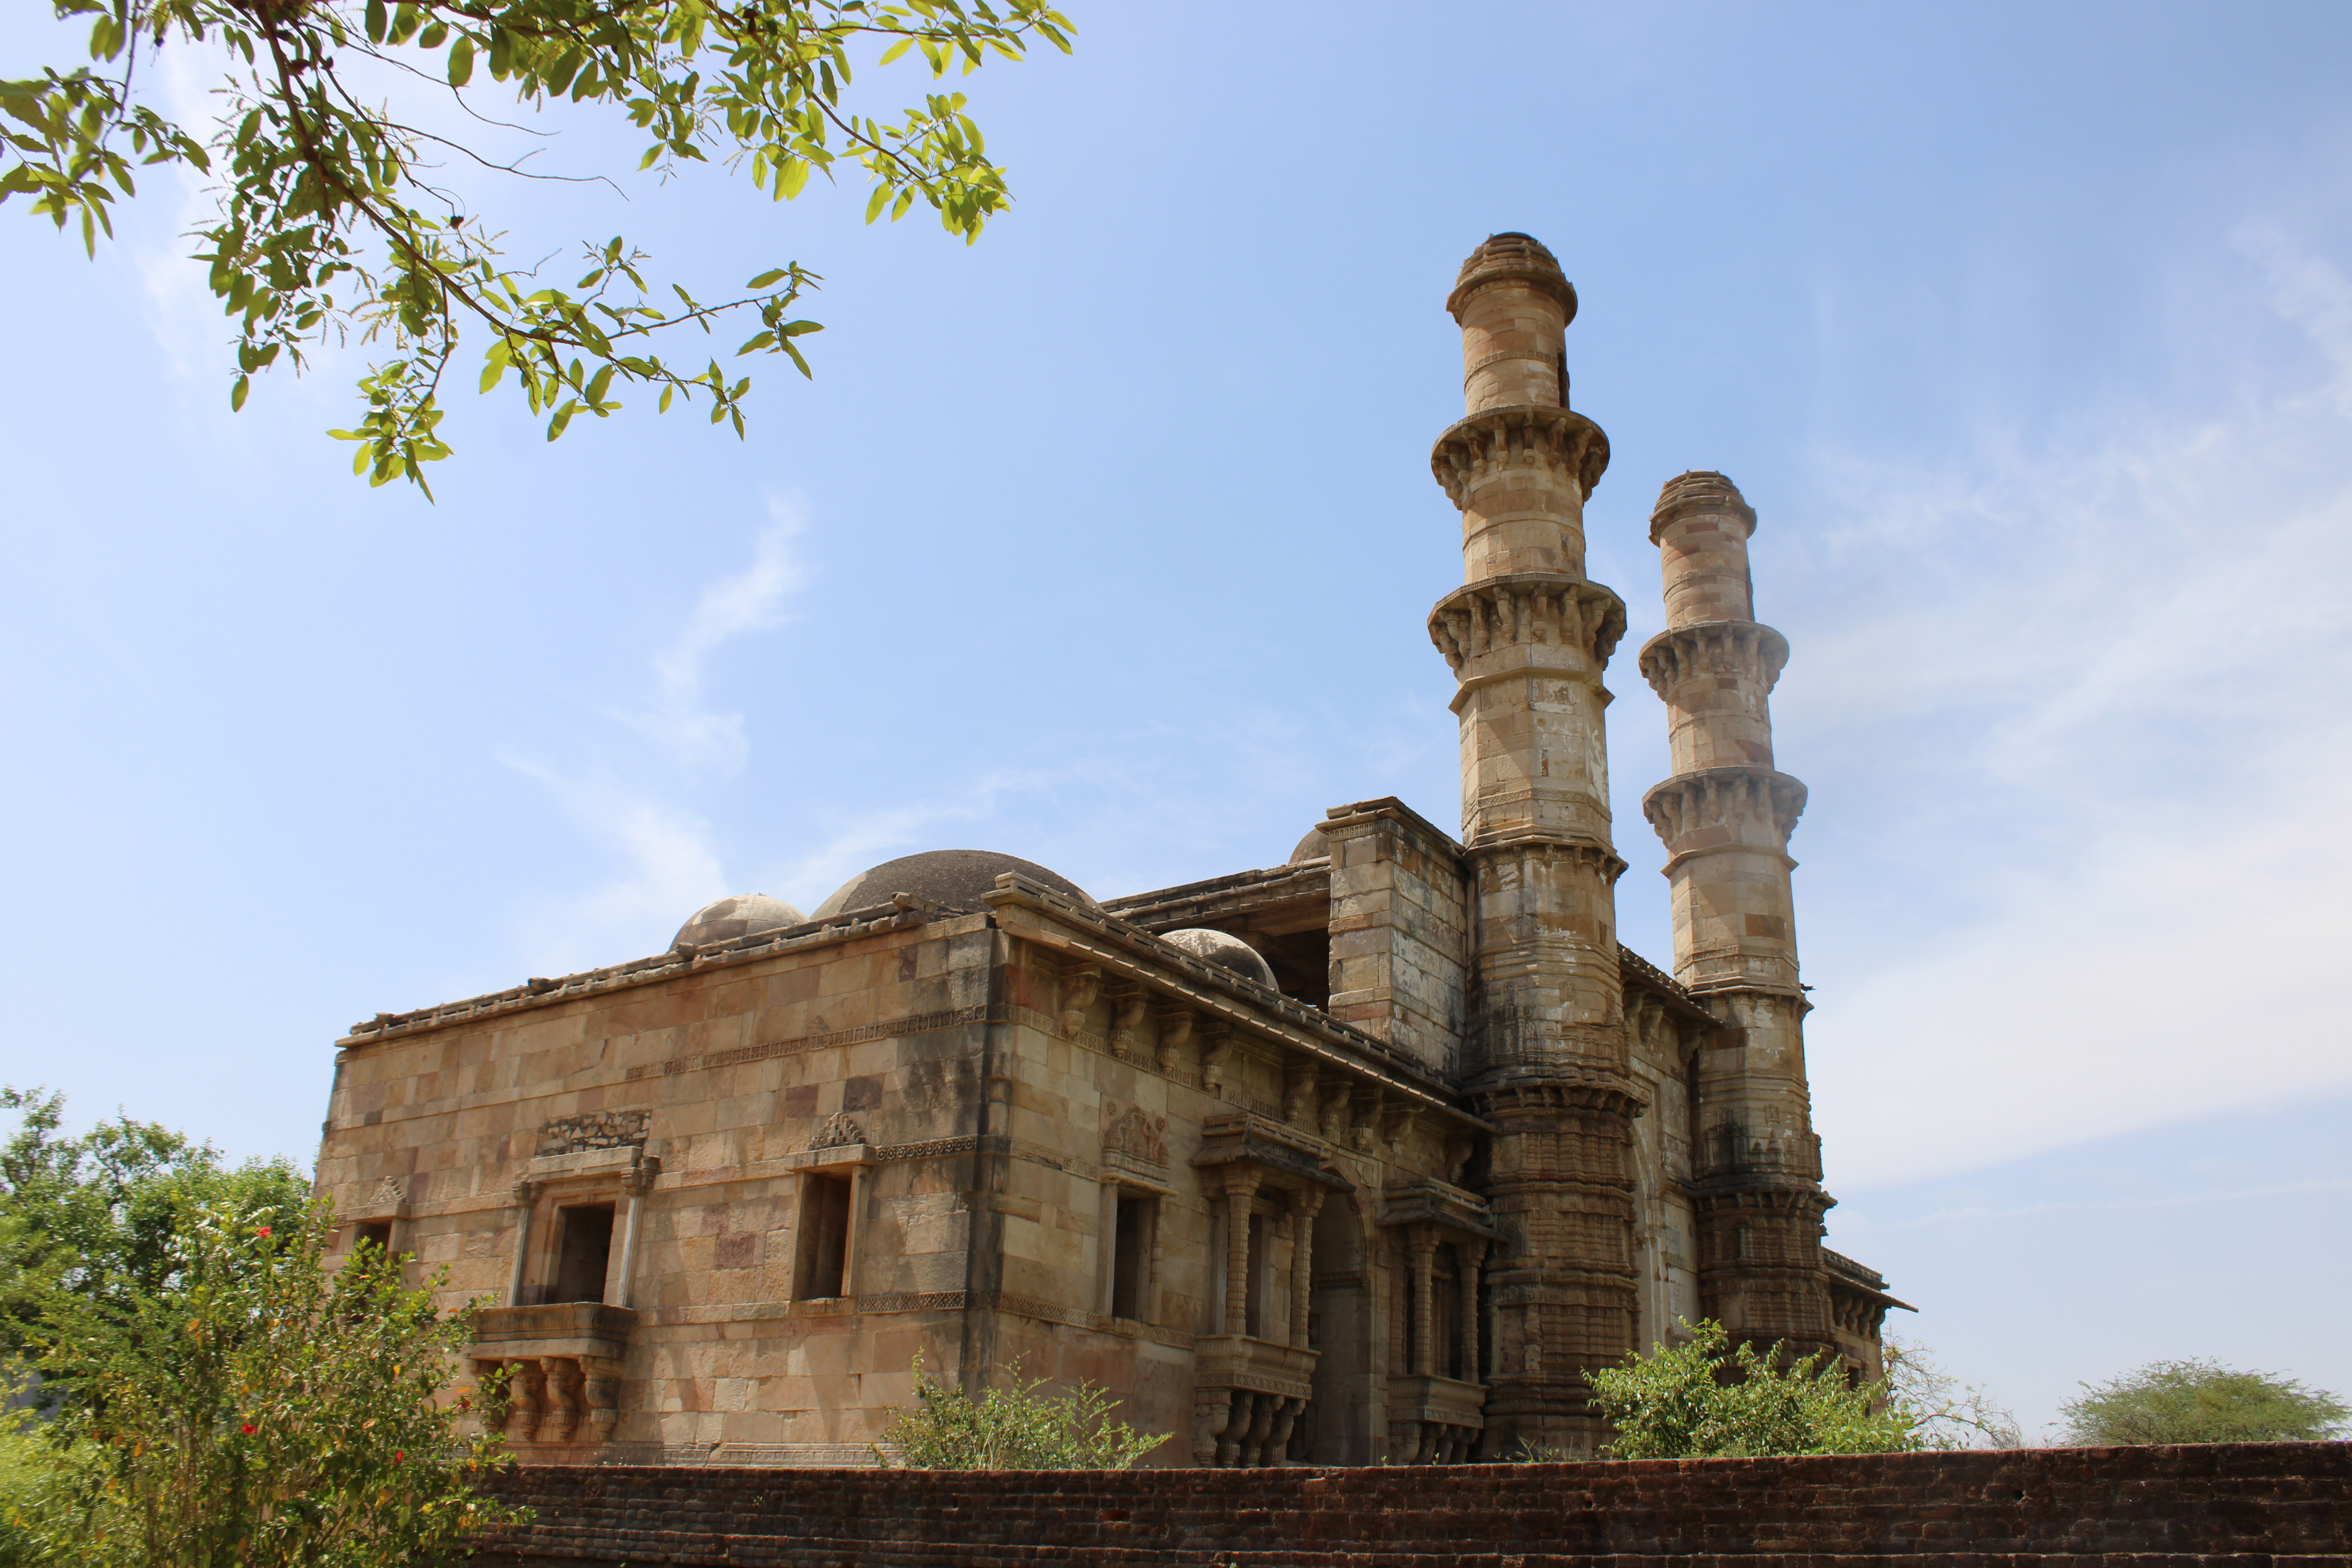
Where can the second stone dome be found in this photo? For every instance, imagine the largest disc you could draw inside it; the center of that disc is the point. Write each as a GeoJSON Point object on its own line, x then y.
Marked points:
{"type": "Point", "coordinates": [953, 878]}
{"type": "Point", "coordinates": [741, 915]}
{"type": "Point", "coordinates": [1226, 951]}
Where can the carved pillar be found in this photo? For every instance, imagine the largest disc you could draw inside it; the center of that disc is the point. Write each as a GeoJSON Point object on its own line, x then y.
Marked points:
{"type": "Point", "coordinates": [1241, 1185]}
{"type": "Point", "coordinates": [1216, 1041]}
{"type": "Point", "coordinates": [635, 1186]}
{"type": "Point", "coordinates": [1528, 637]}
{"type": "Point", "coordinates": [1725, 817]}
{"type": "Point", "coordinates": [1471, 1254]}
{"type": "Point", "coordinates": [526, 1198]}
{"type": "Point", "coordinates": [1080, 984]}
{"type": "Point", "coordinates": [1304, 1205]}
{"type": "Point", "coordinates": [1422, 1239]}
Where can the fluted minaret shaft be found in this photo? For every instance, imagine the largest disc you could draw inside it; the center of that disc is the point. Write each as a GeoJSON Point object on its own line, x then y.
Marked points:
{"type": "Point", "coordinates": [1528, 637]}
{"type": "Point", "coordinates": [1726, 818]}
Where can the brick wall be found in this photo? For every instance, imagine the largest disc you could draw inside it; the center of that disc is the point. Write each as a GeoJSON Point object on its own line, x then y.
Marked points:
{"type": "Point", "coordinates": [2282, 1505]}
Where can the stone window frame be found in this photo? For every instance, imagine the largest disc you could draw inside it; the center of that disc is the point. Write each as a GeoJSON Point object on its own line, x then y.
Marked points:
{"type": "Point", "coordinates": [1130, 1185]}
{"type": "Point", "coordinates": [853, 1161]}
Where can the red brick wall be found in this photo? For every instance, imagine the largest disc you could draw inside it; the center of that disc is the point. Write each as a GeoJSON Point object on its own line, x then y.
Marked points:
{"type": "Point", "coordinates": [2269, 1505]}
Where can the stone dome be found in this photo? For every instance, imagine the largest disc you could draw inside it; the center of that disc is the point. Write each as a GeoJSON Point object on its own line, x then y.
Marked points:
{"type": "Point", "coordinates": [953, 878]}
{"type": "Point", "coordinates": [738, 916]}
{"type": "Point", "coordinates": [1314, 846]}
{"type": "Point", "coordinates": [1224, 948]}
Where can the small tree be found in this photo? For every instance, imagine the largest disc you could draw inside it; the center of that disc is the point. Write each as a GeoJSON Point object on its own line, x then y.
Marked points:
{"type": "Point", "coordinates": [1944, 1412]}
{"type": "Point", "coordinates": [2200, 1402]}
{"type": "Point", "coordinates": [1707, 1397]}
{"type": "Point", "coordinates": [1014, 1428]}
{"type": "Point", "coordinates": [260, 1409]}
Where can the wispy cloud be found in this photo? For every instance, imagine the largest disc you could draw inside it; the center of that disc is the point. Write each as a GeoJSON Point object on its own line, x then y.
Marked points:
{"type": "Point", "coordinates": [660, 864]}
{"type": "Point", "coordinates": [2112, 733]}
{"type": "Point", "coordinates": [689, 733]}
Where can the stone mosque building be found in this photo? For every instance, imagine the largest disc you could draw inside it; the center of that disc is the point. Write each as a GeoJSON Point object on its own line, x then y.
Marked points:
{"type": "Point", "coordinates": [1367, 1157]}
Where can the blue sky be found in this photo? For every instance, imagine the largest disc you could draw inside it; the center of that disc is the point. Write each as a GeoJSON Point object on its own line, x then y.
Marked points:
{"type": "Point", "coordinates": [1109, 541]}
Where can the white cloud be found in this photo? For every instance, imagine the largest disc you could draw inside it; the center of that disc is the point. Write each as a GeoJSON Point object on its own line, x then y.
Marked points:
{"type": "Point", "coordinates": [752, 600]}
{"type": "Point", "coordinates": [668, 866]}
{"type": "Point", "coordinates": [2116, 675]}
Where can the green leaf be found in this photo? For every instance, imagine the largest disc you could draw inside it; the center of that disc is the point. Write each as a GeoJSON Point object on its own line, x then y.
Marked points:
{"type": "Point", "coordinates": [461, 61]}
{"type": "Point", "coordinates": [772, 276]}
{"type": "Point", "coordinates": [237, 394]}
{"type": "Point", "coordinates": [895, 50]}
{"type": "Point", "coordinates": [874, 207]}
{"type": "Point", "coordinates": [376, 22]}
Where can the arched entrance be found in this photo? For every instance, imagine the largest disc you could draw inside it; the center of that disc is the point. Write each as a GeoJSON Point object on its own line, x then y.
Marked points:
{"type": "Point", "coordinates": [1337, 1428]}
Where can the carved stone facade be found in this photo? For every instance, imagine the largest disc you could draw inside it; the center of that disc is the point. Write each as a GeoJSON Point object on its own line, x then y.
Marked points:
{"type": "Point", "coordinates": [1370, 1156]}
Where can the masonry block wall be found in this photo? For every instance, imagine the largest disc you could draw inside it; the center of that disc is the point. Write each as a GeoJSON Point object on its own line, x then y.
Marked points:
{"type": "Point", "coordinates": [2249, 1505]}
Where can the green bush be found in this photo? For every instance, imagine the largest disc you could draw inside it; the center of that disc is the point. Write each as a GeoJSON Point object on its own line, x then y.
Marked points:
{"type": "Point", "coordinates": [2200, 1402]}
{"type": "Point", "coordinates": [1707, 1397]}
{"type": "Point", "coordinates": [1014, 1428]}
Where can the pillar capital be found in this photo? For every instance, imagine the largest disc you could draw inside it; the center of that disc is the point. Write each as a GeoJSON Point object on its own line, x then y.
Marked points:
{"type": "Point", "coordinates": [1513, 258]}
{"type": "Point", "coordinates": [1483, 446]}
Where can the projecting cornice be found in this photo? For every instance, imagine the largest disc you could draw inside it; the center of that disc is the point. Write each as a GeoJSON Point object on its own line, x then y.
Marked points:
{"type": "Point", "coordinates": [1528, 610]}
{"type": "Point", "coordinates": [1714, 648]}
{"type": "Point", "coordinates": [1521, 436]}
{"type": "Point", "coordinates": [1725, 809]}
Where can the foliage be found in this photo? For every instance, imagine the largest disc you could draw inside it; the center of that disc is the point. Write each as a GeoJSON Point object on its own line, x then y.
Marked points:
{"type": "Point", "coordinates": [92, 1217]}
{"type": "Point", "coordinates": [330, 226]}
{"type": "Point", "coordinates": [1014, 1428]}
{"type": "Point", "coordinates": [264, 1410]}
{"type": "Point", "coordinates": [1944, 1412]}
{"type": "Point", "coordinates": [1706, 1397]}
{"type": "Point", "coordinates": [2200, 1402]}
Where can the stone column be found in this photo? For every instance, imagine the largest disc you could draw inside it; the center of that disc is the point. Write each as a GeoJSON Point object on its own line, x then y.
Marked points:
{"type": "Point", "coordinates": [638, 1182]}
{"type": "Point", "coordinates": [526, 1197]}
{"type": "Point", "coordinates": [1471, 1254]}
{"type": "Point", "coordinates": [1725, 817]}
{"type": "Point", "coordinates": [1424, 1302]}
{"type": "Point", "coordinates": [1528, 637]}
{"type": "Point", "coordinates": [1304, 1203]}
{"type": "Point", "coordinates": [1240, 1188]}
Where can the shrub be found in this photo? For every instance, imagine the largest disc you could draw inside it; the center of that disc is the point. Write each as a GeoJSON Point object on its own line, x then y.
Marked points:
{"type": "Point", "coordinates": [1708, 1397]}
{"type": "Point", "coordinates": [2200, 1402]}
{"type": "Point", "coordinates": [1015, 1428]}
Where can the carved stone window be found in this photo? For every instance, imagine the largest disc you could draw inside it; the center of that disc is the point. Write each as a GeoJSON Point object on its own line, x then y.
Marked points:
{"type": "Point", "coordinates": [378, 1231]}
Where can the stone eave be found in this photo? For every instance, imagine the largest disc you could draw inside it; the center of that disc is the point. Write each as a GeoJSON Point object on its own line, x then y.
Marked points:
{"type": "Point", "coordinates": [1639, 971]}
{"type": "Point", "coordinates": [1037, 913]}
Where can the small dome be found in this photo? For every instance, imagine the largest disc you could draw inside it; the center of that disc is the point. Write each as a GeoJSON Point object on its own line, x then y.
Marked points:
{"type": "Point", "coordinates": [1512, 255]}
{"type": "Point", "coordinates": [738, 916]}
{"type": "Point", "coordinates": [953, 878]}
{"type": "Point", "coordinates": [1226, 950]}
{"type": "Point", "coordinates": [1314, 846]}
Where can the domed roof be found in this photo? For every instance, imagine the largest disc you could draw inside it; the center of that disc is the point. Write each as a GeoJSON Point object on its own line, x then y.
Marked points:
{"type": "Point", "coordinates": [738, 916]}
{"type": "Point", "coordinates": [953, 878]}
{"type": "Point", "coordinates": [1224, 948]}
{"type": "Point", "coordinates": [1314, 846]}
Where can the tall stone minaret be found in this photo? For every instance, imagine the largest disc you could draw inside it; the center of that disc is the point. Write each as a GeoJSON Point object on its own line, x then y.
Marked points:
{"type": "Point", "coordinates": [1726, 818]}
{"type": "Point", "coordinates": [1546, 1049]}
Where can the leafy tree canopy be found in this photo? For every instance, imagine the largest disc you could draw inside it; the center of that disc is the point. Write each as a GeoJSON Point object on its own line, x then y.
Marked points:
{"type": "Point", "coordinates": [330, 225]}
{"type": "Point", "coordinates": [2200, 1402]}
{"type": "Point", "coordinates": [1706, 1397]}
{"type": "Point", "coordinates": [1015, 1428]}
{"type": "Point", "coordinates": [88, 1223]}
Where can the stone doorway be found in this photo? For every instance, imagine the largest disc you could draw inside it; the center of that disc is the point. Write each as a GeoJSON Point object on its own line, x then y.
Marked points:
{"type": "Point", "coordinates": [1337, 1428]}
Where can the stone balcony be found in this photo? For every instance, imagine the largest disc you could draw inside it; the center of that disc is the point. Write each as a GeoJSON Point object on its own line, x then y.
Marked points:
{"type": "Point", "coordinates": [1433, 1420]}
{"type": "Point", "coordinates": [563, 1363]}
{"type": "Point", "coordinates": [1247, 1393]}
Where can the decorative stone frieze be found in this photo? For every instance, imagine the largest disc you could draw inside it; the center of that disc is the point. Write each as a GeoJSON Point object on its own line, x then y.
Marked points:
{"type": "Point", "coordinates": [596, 1130]}
{"type": "Point", "coordinates": [1528, 609]}
{"type": "Point", "coordinates": [1498, 440]}
{"type": "Point", "coordinates": [838, 1133]}
{"type": "Point", "coordinates": [1724, 807]}
{"type": "Point", "coordinates": [1719, 650]}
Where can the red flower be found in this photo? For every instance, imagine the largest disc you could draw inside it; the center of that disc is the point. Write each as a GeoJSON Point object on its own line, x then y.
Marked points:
{"type": "Point", "coordinates": [263, 1231]}
{"type": "Point", "coordinates": [249, 1428]}
{"type": "Point", "coordinates": [397, 1456]}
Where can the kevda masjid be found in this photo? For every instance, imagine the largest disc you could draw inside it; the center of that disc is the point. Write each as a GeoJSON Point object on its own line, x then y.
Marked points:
{"type": "Point", "coordinates": [1363, 1157]}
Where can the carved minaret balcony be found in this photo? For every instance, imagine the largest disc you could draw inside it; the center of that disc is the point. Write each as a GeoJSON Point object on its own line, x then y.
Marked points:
{"type": "Point", "coordinates": [1726, 818]}
{"type": "Point", "coordinates": [1528, 637]}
